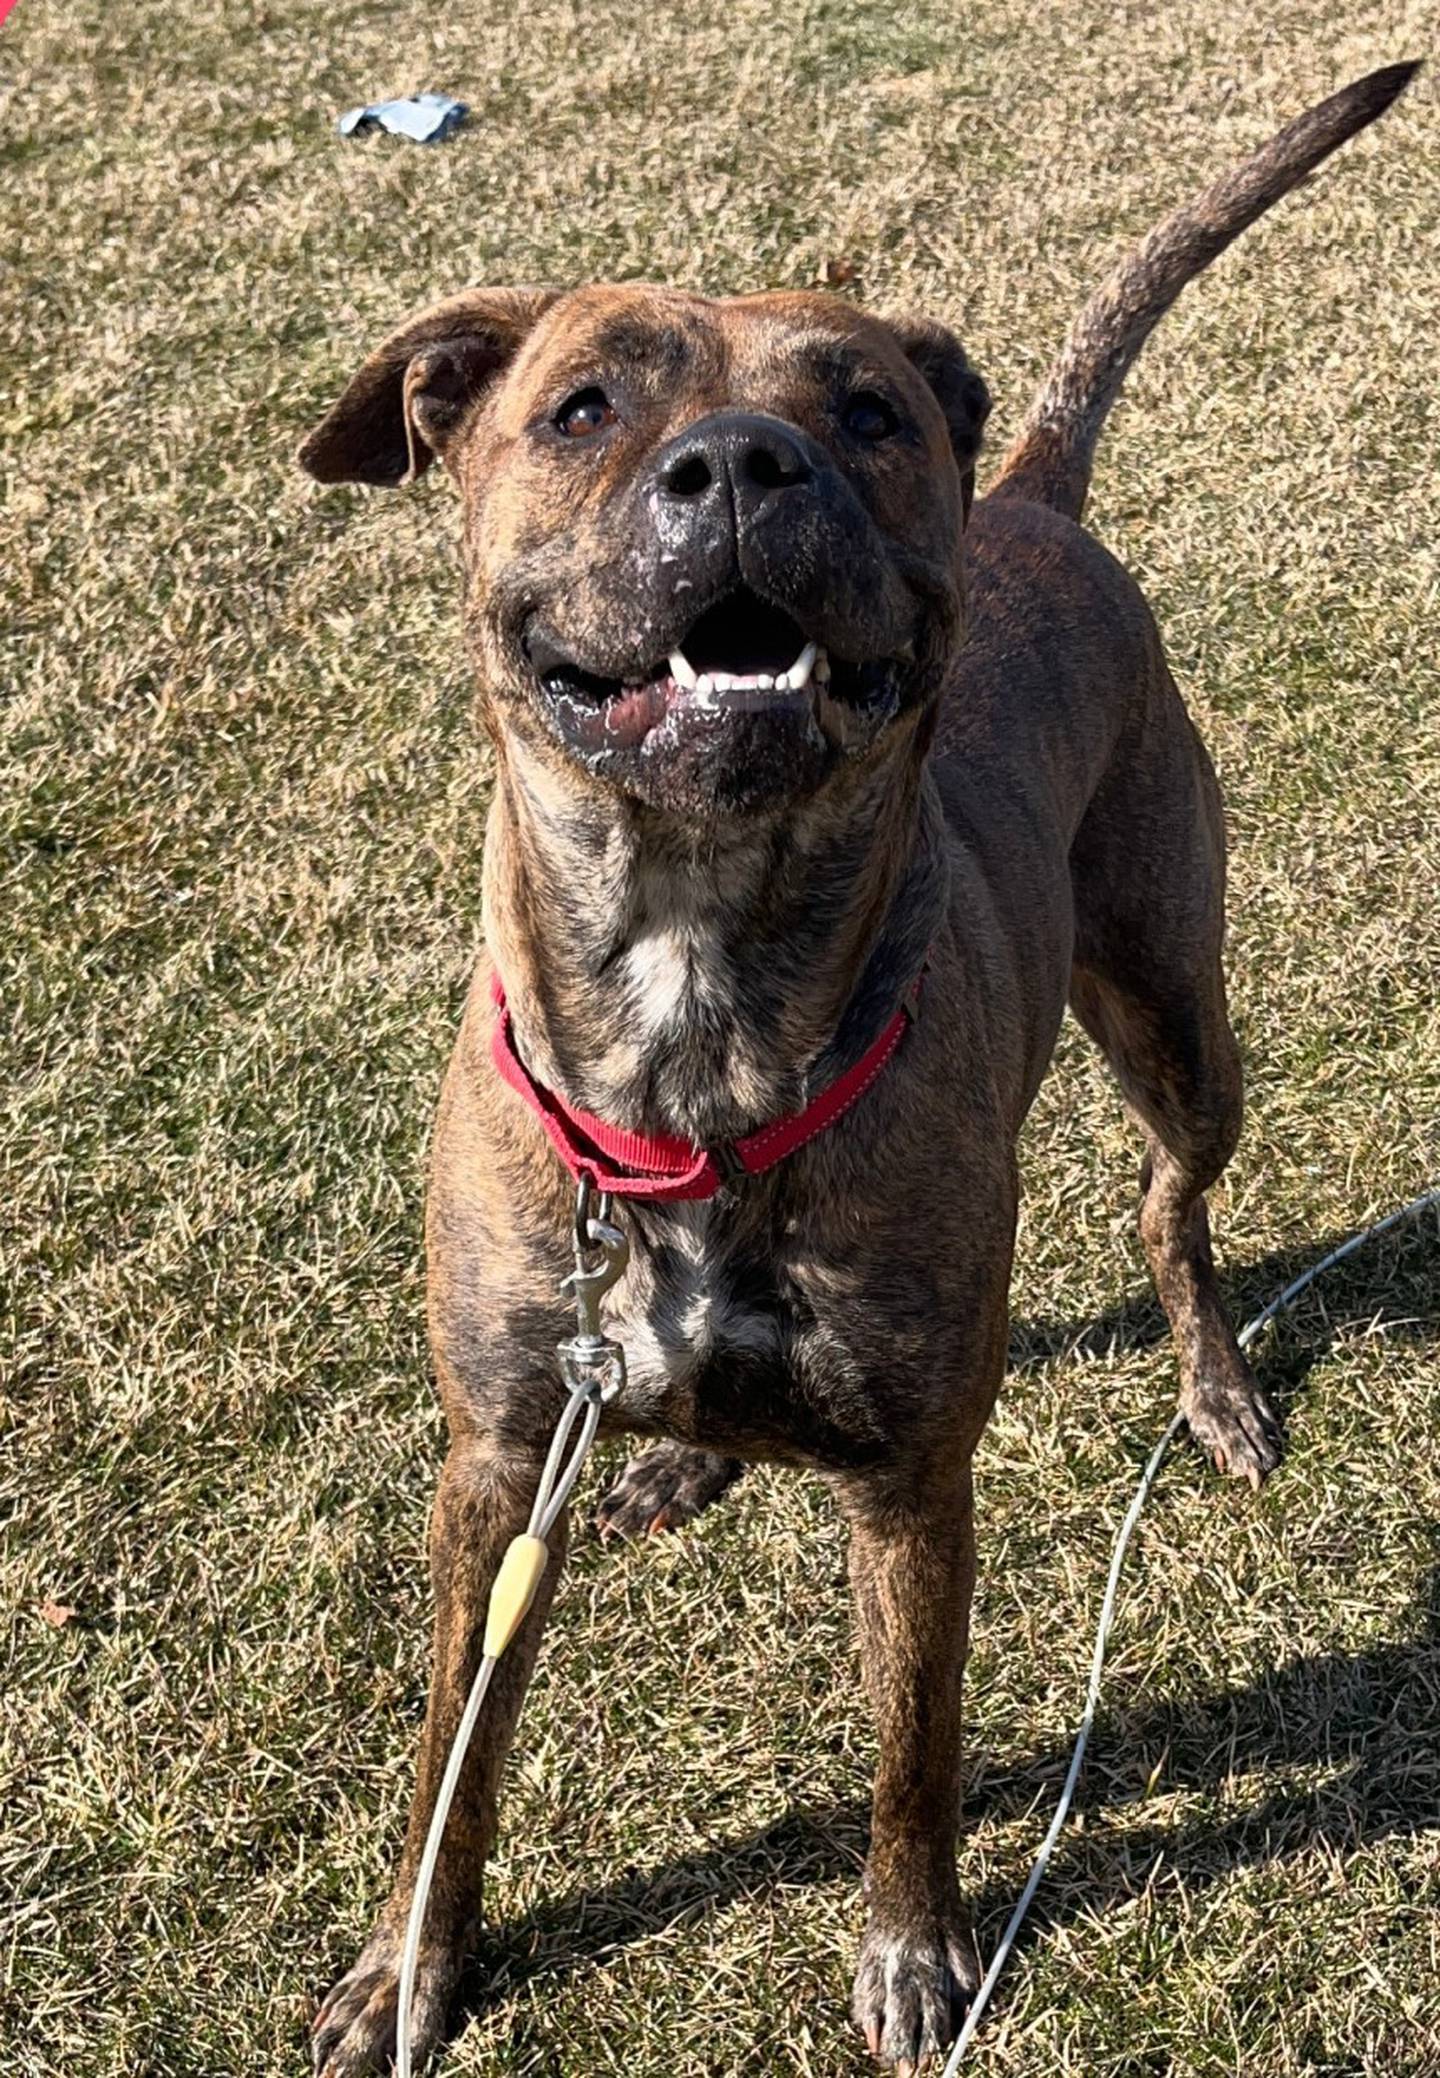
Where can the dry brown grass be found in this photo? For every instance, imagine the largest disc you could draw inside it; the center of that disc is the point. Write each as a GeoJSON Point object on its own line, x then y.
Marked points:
{"type": "Point", "coordinates": [241, 823]}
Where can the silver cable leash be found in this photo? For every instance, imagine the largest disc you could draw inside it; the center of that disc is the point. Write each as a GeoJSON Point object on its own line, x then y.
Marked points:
{"type": "Point", "coordinates": [1107, 1616]}
{"type": "Point", "coordinates": [593, 1368]}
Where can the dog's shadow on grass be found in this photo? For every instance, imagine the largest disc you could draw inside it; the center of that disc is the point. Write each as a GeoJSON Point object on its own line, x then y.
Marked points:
{"type": "Point", "coordinates": [1361, 1731]}
{"type": "Point", "coordinates": [1383, 1281]}
{"type": "Point", "coordinates": [1369, 1720]}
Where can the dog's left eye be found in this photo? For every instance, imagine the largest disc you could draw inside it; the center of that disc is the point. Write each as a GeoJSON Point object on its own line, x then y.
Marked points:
{"type": "Point", "coordinates": [869, 417]}
{"type": "Point", "coordinates": [588, 411]}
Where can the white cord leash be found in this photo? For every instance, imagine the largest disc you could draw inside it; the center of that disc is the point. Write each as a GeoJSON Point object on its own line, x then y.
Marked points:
{"type": "Point", "coordinates": [594, 1369]}
{"type": "Point", "coordinates": [1092, 1698]}
{"type": "Point", "coordinates": [1107, 1616]}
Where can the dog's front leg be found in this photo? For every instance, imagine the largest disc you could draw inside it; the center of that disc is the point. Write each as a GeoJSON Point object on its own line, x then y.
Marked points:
{"type": "Point", "coordinates": [912, 1569]}
{"type": "Point", "coordinates": [483, 1501]}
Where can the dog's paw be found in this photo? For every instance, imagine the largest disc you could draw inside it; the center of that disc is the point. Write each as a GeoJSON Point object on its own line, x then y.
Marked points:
{"type": "Point", "coordinates": [663, 1489]}
{"type": "Point", "coordinates": [1232, 1420]}
{"type": "Point", "coordinates": [354, 2029]}
{"type": "Point", "coordinates": [912, 1990]}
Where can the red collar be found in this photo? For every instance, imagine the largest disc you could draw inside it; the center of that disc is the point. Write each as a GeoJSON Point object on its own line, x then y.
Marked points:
{"type": "Point", "coordinates": [658, 1167]}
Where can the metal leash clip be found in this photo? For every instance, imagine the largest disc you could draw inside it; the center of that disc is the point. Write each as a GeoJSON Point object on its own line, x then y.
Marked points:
{"type": "Point", "coordinates": [591, 1363]}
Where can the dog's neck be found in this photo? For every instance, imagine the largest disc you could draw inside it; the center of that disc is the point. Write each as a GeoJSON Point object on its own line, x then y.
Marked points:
{"type": "Point", "coordinates": [702, 982]}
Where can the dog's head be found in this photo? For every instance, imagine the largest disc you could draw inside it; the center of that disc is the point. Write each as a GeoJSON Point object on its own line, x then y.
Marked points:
{"type": "Point", "coordinates": [713, 548]}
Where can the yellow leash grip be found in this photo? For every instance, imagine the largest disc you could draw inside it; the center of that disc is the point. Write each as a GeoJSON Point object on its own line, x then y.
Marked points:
{"type": "Point", "coordinates": [514, 1590]}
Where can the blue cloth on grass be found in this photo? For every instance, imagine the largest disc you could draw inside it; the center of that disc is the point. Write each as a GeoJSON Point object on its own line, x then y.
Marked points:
{"type": "Point", "coordinates": [425, 118]}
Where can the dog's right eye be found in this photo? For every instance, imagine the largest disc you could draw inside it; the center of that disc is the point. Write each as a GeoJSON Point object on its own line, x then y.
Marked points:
{"type": "Point", "coordinates": [588, 411]}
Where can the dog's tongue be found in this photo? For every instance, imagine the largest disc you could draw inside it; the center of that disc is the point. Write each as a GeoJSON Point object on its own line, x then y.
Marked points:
{"type": "Point", "coordinates": [628, 720]}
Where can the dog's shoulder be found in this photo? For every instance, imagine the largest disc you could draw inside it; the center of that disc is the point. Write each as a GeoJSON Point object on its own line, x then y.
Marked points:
{"type": "Point", "coordinates": [1025, 559]}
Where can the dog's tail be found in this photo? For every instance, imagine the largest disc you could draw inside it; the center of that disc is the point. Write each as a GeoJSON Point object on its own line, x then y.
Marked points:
{"type": "Point", "coordinates": [1051, 457]}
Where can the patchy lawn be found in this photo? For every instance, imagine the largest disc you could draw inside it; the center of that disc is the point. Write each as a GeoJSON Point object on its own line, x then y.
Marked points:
{"type": "Point", "coordinates": [241, 821]}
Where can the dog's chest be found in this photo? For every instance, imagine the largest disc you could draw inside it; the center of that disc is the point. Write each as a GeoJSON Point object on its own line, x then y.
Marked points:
{"type": "Point", "coordinates": [689, 1302]}
{"type": "Point", "coordinates": [720, 1351]}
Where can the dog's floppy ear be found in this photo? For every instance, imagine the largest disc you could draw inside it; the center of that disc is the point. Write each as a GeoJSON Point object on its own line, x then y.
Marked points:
{"type": "Point", "coordinates": [403, 405]}
{"type": "Point", "coordinates": [938, 355]}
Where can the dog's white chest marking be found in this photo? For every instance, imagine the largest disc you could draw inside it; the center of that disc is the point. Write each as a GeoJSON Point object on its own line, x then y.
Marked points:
{"type": "Point", "coordinates": [675, 964]}
{"type": "Point", "coordinates": [681, 1311]}
{"type": "Point", "coordinates": [675, 970]}
{"type": "Point", "coordinates": [675, 1323]}
{"type": "Point", "coordinates": [662, 974]}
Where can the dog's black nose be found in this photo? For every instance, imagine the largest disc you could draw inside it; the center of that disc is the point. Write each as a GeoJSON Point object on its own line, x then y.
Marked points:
{"type": "Point", "coordinates": [744, 452]}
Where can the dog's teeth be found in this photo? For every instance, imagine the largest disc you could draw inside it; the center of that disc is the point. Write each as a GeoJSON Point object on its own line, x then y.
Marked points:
{"type": "Point", "coordinates": [712, 682]}
{"type": "Point", "coordinates": [820, 669]}
{"type": "Point", "coordinates": [799, 673]}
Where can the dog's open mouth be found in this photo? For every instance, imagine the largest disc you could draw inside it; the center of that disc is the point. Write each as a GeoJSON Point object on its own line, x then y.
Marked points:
{"type": "Point", "coordinates": [745, 645]}
{"type": "Point", "coordinates": [742, 655]}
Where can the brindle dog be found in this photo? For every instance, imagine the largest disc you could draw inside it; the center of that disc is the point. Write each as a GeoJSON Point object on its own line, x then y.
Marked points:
{"type": "Point", "coordinates": [706, 900]}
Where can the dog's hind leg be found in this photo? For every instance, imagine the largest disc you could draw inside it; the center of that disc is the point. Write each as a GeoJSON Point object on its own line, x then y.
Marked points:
{"type": "Point", "coordinates": [483, 1501]}
{"type": "Point", "coordinates": [664, 1488]}
{"type": "Point", "coordinates": [1149, 871]}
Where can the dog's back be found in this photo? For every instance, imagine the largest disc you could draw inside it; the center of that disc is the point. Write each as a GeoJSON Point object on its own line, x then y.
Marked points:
{"type": "Point", "coordinates": [1061, 702]}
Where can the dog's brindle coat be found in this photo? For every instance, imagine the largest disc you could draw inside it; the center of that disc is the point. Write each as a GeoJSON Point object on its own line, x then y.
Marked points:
{"type": "Point", "coordinates": [704, 911]}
